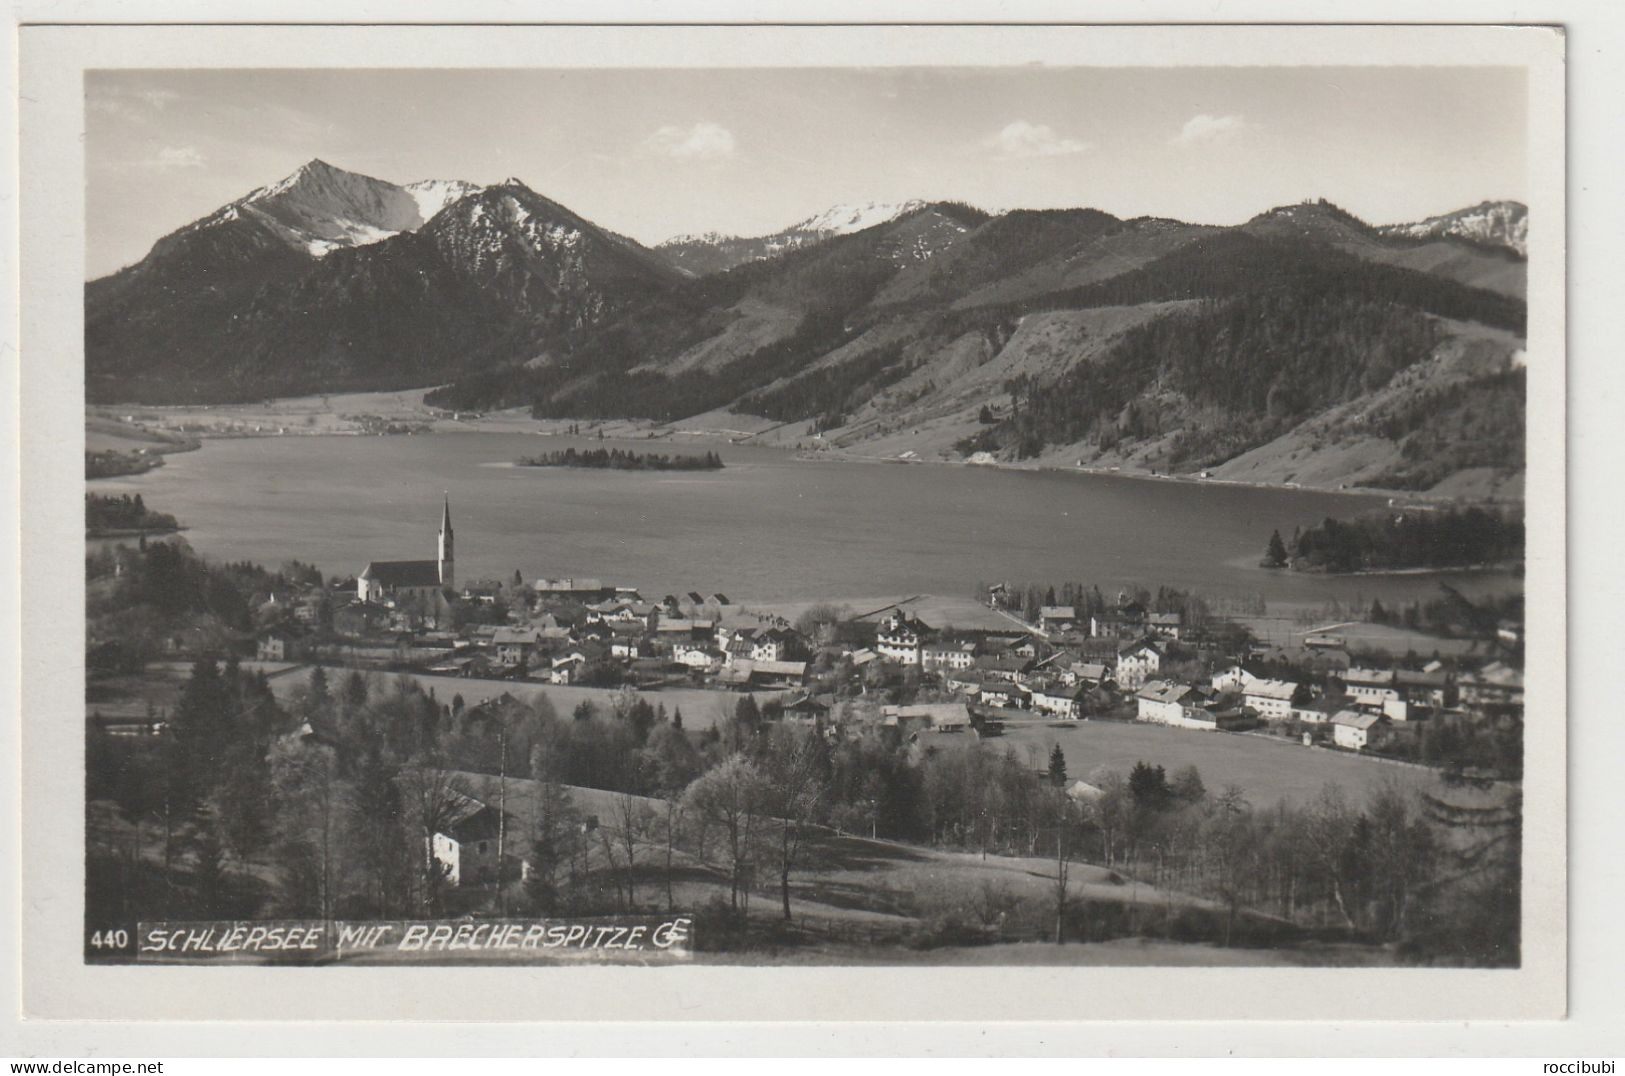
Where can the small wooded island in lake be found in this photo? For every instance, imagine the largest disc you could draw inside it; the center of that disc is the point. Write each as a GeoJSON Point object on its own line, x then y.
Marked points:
{"type": "Point", "coordinates": [1409, 538]}
{"type": "Point", "coordinates": [613, 459]}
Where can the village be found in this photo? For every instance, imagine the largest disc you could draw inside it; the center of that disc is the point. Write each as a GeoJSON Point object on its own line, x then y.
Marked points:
{"type": "Point", "coordinates": [1124, 662]}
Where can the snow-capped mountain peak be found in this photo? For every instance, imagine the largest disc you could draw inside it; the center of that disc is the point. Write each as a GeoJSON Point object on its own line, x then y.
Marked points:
{"type": "Point", "coordinates": [319, 208]}
{"type": "Point", "coordinates": [433, 195]}
{"type": "Point", "coordinates": [1503, 224]}
{"type": "Point", "coordinates": [855, 217]}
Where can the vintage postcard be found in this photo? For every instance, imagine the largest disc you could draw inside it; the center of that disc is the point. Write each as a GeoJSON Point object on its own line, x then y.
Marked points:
{"type": "Point", "coordinates": [716, 522]}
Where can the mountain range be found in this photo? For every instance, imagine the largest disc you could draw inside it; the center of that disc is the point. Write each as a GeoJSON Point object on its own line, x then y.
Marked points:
{"type": "Point", "coordinates": [1301, 346]}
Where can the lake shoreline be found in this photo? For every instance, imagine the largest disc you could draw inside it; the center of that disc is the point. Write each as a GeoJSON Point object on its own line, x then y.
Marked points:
{"type": "Point", "coordinates": [276, 419]}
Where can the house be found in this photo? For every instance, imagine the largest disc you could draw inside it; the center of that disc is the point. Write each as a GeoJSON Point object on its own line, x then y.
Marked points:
{"type": "Point", "coordinates": [273, 646]}
{"type": "Point", "coordinates": [1061, 701]}
{"type": "Point", "coordinates": [1355, 730]}
{"type": "Point", "coordinates": [1127, 619]}
{"type": "Point", "coordinates": [1182, 706]}
{"type": "Point", "coordinates": [465, 840]}
{"type": "Point", "coordinates": [1322, 641]}
{"type": "Point", "coordinates": [951, 654]}
{"type": "Point", "coordinates": [806, 709]}
{"type": "Point", "coordinates": [1234, 678]}
{"type": "Point", "coordinates": [1084, 792]}
{"type": "Point", "coordinates": [1161, 702]}
{"type": "Point", "coordinates": [1138, 662]}
{"type": "Point", "coordinates": [1271, 699]}
{"type": "Point", "coordinates": [515, 646]}
{"type": "Point", "coordinates": [720, 598]}
{"type": "Point", "coordinates": [1005, 695]}
{"type": "Point", "coordinates": [1009, 667]}
{"type": "Point", "coordinates": [1428, 688]}
{"type": "Point", "coordinates": [1370, 687]}
{"type": "Point", "coordinates": [939, 716]}
{"type": "Point", "coordinates": [901, 638]}
{"type": "Point", "coordinates": [566, 670]}
{"type": "Point", "coordinates": [777, 644]}
{"type": "Point", "coordinates": [627, 647]}
{"type": "Point", "coordinates": [739, 646]}
{"type": "Point", "coordinates": [672, 628]}
{"type": "Point", "coordinates": [1496, 684]}
{"type": "Point", "coordinates": [1320, 711]}
{"type": "Point", "coordinates": [741, 673]}
{"type": "Point", "coordinates": [1088, 673]}
{"type": "Point", "coordinates": [1053, 618]}
{"type": "Point", "coordinates": [696, 654]}
{"type": "Point", "coordinates": [1165, 625]}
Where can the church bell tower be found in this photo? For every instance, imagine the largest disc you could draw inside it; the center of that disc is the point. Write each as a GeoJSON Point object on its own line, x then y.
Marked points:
{"type": "Point", "coordinates": [448, 574]}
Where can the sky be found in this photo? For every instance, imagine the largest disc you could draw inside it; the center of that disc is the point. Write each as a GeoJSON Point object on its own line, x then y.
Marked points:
{"type": "Point", "coordinates": [654, 153]}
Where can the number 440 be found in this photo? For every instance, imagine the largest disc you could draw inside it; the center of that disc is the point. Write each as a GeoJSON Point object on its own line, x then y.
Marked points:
{"type": "Point", "coordinates": [110, 939]}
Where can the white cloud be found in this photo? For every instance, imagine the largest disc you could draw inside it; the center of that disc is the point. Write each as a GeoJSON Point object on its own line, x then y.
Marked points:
{"type": "Point", "coordinates": [1023, 139]}
{"type": "Point", "coordinates": [701, 142]}
{"type": "Point", "coordinates": [1206, 128]}
{"type": "Point", "coordinates": [171, 158]}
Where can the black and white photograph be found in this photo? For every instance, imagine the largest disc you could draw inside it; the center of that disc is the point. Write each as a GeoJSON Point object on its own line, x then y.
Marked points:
{"type": "Point", "coordinates": [894, 513]}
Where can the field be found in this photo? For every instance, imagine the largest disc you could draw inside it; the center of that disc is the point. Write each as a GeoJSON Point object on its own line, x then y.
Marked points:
{"type": "Point", "coordinates": [1266, 767]}
{"type": "Point", "coordinates": [701, 709]}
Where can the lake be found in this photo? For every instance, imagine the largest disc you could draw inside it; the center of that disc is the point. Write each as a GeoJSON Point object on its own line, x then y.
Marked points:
{"type": "Point", "coordinates": [768, 527]}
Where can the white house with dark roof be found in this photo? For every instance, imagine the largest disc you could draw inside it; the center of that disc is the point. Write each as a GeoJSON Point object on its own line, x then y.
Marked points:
{"type": "Point", "coordinates": [1271, 699]}
{"type": "Point", "coordinates": [1138, 662]}
{"type": "Point", "coordinates": [1370, 687]}
{"type": "Point", "coordinates": [901, 638]}
{"type": "Point", "coordinates": [1355, 730]}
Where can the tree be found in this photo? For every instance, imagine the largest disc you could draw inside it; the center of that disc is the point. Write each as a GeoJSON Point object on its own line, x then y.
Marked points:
{"type": "Point", "coordinates": [309, 815]}
{"type": "Point", "coordinates": [796, 772]}
{"type": "Point", "coordinates": [1187, 786]}
{"type": "Point", "coordinates": [1149, 786]}
{"type": "Point", "coordinates": [1275, 552]}
{"type": "Point", "coordinates": [729, 797]}
{"type": "Point", "coordinates": [629, 821]}
{"type": "Point", "coordinates": [1057, 766]}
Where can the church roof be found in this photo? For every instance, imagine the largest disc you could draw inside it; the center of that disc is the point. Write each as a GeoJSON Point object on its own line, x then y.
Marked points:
{"type": "Point", "coordinates": [404, 573]}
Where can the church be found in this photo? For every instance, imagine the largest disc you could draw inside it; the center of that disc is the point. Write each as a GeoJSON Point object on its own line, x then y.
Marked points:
{"type": "Point", "coordinates": [414, 586]}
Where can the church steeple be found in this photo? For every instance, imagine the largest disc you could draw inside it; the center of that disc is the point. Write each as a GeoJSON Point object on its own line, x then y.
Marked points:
{"type": "Point", "coordinates": [448, 573]}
